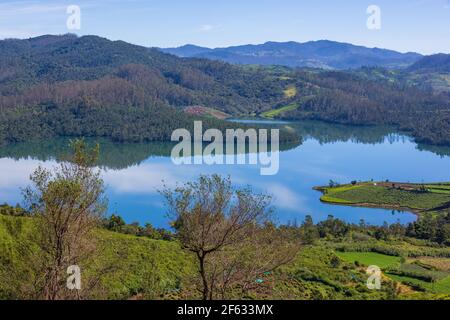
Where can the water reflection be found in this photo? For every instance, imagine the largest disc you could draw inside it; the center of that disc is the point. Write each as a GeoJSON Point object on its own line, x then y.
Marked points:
{"type": "Point", "coordinates": [134, 172]}
{"type": "Point", "coordinates": [123, 155]}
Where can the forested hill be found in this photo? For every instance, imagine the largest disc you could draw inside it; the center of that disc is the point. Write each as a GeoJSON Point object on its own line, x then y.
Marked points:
{"type": "Point", "coordinates": [165, 79]}
{"type": "Point", "coordinates": [91, 86]}
{"type": "Point", "coordinates": [318, 54]}
{"type": "Point", "coordinates": [434, 63]}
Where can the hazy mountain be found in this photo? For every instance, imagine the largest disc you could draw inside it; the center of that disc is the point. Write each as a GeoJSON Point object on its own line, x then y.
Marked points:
{"type": "Point", "coordinates": [188, 50]}
{"type": "Point", "coordinates": [434, 63]}
{"type": "Point", "coordinates": [320, 54]}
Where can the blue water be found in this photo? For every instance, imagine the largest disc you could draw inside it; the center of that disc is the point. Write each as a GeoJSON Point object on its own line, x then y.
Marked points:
{"type": "Point", "coordinates": [134, 173]}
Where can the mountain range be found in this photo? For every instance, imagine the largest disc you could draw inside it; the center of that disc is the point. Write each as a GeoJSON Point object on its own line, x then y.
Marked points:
{"type": "Point", "coordinates": [323, 54]}
{"type": "Point", "coordinates": [93, 87]}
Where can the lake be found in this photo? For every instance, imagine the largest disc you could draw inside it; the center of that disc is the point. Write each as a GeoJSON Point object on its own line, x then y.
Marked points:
{"type": "Point", "coordinates": [134, 172]}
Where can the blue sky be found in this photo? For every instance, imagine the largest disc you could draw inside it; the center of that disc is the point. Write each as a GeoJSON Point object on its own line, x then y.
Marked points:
{"type": "Point", "coordinates": [406, 25]}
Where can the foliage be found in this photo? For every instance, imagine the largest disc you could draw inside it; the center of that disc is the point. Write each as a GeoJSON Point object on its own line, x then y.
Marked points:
{"type": "Point", "coordinates": [90, 86]}
{"type": "Point", "coordinates": [67, 204]}
{"type": "Point", "coordinates": [230, 233]}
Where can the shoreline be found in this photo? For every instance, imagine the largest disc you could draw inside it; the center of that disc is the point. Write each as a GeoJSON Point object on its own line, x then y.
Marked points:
{"type": "Point", "coordinates": [407, 187]}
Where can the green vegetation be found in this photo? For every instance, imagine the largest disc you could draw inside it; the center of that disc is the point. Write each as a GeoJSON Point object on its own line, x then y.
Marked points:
{"type": "Point", "coordinates": [416, 197]}
{"type": "Point", "coordinates": [218, 229]}
{"type": "Point", "coordinates": [370, 258]}
{"type": "Point", "coordinates": [144, 268]}
{"type": "Point", "coordinates": [278, 112]}
{"type": "Point", "coordinates": [273, 113]}
{"type": "Point", "coordinates": [442, 286]}
{"type": "Point", "coordinates": [92, 87]}
{"type": "Point", "coordinates": [419, 277]}
{"type": "Point", "coordinates": [290, 92]}
{"type": "Point", "coordinates": [138, 265]}
{"type": "Point", "coordinates": [357, 99]}
{"type": "Point", "coordinates": [89, 86]}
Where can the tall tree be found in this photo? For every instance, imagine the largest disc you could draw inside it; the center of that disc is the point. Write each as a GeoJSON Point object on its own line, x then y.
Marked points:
{"type": "Point", "coordinates": [229, 231]}
{"type": "Point", "coordinates": [68, 203]}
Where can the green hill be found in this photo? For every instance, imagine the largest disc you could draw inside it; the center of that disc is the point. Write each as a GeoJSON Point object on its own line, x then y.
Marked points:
{"type": "Point", "coordinates": [93, 87]}
{"type": "Point", "coordinates": [135, 267]}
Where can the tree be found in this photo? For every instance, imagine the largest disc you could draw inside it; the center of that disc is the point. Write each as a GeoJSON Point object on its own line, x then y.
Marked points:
{"type": "Point", "coordinates": [68, 204]}
{"type": "Point", "coordinates": [114, 223]}
{"type": "Point", "coordinates": [229, 232]}
{"type": "Point", "coordinates": [309, 231]}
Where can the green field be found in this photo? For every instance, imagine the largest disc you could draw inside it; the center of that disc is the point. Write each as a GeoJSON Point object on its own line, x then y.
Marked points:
{"type": "Point", "coordinates": [276, 112]}
{"type": "Point", "coordinates": [415, 197]}
{"type": "Point", "coordinates": [370, 259]}
{"type": "Point", "coordinates": [387, 263]}
{"type": "Point", "coordinates": [289, 93]}
{"type": "Point", "coordinates": [156, 269]}
{"type": "Point", "coordinates": [442, 286]}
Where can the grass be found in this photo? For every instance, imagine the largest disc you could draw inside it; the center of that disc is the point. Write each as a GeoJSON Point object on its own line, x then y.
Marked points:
{"type": "Point", "coordinates": [289, 93]}
{"type": "Point", "coordinates": [155, 269]}
{"type": "Point", "coordinates": [387, 195]}
{"type": "Point", "coordinates": [387, 263]}
{"type": "Point", "coordinates": [276, 112]}
{"type": "Point", "coordinates": [441, 286]}
{"type": "Point", "coordinates": [370, 258]}
{"type": "Point", "coordinates": [138, 265]}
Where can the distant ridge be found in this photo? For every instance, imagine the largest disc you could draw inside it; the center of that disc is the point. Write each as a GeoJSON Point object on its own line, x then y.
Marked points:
{"type": "Point", "coordinates": [434, 63]}
{"type": "Point", "coordinates": [324, 54]}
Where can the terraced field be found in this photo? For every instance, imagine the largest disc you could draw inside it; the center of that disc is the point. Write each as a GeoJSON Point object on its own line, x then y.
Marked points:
{"type": "Point", "coordinates": [423, 277]}
{"type": "Point", "coordinates": [370, 258]}
{"type": "Point", "coordinates": [289, 93]}
{"type": "Point", "coordinates": [417, 198]}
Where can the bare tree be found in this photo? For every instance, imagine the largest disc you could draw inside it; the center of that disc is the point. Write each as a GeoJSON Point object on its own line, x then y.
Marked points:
{"type": "Point", "coordinates": [68, 204]}
{"type": "Point", "coordinates": [229, 231]}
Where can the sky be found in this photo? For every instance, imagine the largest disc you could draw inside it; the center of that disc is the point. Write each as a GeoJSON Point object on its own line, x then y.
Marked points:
{"type": "Point", "coordinates": [405, 25]}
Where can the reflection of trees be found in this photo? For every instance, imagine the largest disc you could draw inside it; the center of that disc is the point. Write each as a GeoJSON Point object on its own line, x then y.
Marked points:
{"type": "Point", "coordinates": [328, 133]}
{"type": "Point", "coordinates": [443, 151]}
{"type": "Point", "coordinates": [122, 155]}
{"type": "Point", "coordinates": [112, 155]}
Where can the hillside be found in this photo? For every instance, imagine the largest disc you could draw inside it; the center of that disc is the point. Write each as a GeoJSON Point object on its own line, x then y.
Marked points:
{"type": "Point", "coordinates": [143, 268]}
{"type": "Point", "coordinates": [317, 54]}
{"type": "Point", "coordinates": [433, 63]}
{"type": "Point", "coordinates": [89, 86]}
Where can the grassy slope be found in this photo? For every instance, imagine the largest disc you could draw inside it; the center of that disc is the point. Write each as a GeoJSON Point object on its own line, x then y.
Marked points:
{"type": "Point", "coordinates": [136, 264]}
{"type": "Point", "coordinates": [370, 258]}
{"type": "Point", "coordinates": [386, 262]}
{"type": "Point", "coordinates": [289, 93]}
{"type": "Point", "coordinates": [160, 269]}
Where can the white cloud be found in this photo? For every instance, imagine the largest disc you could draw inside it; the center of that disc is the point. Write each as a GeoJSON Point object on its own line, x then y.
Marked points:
{"type": "Point", "coordinates": [206, 28]}
{"type": "Point", "coordinates": [285, 198]}
{"type": "Point", "coordinates": [29, 8]}
{"type": "Point", "coordinates": [146, 178]}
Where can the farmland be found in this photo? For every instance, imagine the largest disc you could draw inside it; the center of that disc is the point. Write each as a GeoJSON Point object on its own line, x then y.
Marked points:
{"type": "Point", "coordinates": [418, 198]}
